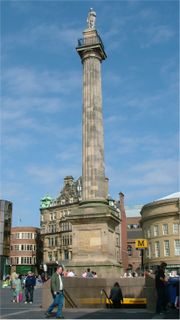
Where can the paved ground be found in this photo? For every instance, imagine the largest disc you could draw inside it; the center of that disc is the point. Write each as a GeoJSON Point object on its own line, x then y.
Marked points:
{"type": "Point", "coordinates": [11, 310]}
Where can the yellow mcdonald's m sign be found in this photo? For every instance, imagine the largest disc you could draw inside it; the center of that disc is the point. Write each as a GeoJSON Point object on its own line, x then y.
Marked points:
{"type": "Point", "coordinates": [141, 243]}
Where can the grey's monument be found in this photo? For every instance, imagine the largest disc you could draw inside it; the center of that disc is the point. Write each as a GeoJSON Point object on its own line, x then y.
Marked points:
{"type": "Point", "coordinates": [95, 223]}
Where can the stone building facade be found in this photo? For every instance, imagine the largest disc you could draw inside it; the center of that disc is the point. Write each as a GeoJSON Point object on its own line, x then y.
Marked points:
{"type": "Point", "coordinates": [161, 227]}
{"type": "Point", "coordinates": [26, 250]}
{"type": "Point", "coordinates": [56, 230]}
{"type": "Point", "coordinates": [134, 232]}
{"type": "Point", "coordinates": [5, 231]}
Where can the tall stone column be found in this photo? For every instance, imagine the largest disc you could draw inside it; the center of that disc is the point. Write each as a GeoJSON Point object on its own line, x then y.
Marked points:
{"type": "Point", "coordinates": [93, 222]}
{"type": "Point", "coordinates": [91, 51]}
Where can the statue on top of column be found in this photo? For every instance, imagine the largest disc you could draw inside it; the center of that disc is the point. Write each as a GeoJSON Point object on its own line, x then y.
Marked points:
{"type": "Point", "coordinates": [91, 19]}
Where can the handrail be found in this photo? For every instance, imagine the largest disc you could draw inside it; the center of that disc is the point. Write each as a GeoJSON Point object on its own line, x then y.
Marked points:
{"type": "Point", "coordinates": [69, 299]}
{"type": "Point", "coordinates": [103, 290]}
{"type": "Point", "coordinates": [90, 41]}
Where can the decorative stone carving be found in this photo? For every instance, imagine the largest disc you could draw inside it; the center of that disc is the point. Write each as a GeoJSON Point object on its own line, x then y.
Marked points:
{"type": "Point", "coordinates": [71, 191]}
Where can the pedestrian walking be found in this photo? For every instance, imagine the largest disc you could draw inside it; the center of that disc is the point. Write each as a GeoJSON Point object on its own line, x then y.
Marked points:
{"type": "Point", "coordinates": [161, 288]}
{"type": "Point", "coordinates": [13, 286]}
{"type": "Point", "coordinates": [16, 287]}
{"type": "Point", "coordinates": [116, 295]}
{"type": "Point", "coordinates": [29, 285]}
{"type": "Point", "coordinates": [57, 293]}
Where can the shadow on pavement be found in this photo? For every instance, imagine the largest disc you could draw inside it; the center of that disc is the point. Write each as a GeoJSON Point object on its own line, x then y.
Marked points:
{"type": "Point", "coordinates": [117, 314]}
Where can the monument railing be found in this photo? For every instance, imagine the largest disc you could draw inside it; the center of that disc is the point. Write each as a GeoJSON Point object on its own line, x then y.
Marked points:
{"type": "Point", "coordinates": [90, 41]}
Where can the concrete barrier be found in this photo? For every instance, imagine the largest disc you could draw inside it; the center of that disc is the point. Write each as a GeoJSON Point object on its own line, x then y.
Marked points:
{"type": "Point", "coordinates": [151, 293]}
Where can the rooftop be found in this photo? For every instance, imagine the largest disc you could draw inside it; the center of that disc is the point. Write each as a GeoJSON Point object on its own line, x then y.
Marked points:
{"type": "Point", "coordinates": [170, 196]}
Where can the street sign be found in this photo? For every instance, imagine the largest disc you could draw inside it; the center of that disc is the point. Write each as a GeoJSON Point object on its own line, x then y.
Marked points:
{"type": "Point", "coordinates": [141, 243]}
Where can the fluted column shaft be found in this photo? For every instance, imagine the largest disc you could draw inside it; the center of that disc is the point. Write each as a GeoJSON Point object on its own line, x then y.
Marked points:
{"type": "Point", "coordinates": [93, 136]}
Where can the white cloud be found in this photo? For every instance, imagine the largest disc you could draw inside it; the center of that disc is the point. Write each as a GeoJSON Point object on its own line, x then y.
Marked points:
{"type": "Point", "coordinates": [12, 188]}
{"type": "Point", "coordinates": [150, 179]}
{"type": "Point", "coordinates": [18, 141]}
{"type": "Point", "coordinates": [28, 81]}
{"type": "Point", "coordinates": [50, 35]}
{"type": "Point", "coordinates": [156, 34]}
{"type": "Point", "coordinates": [49, 176]}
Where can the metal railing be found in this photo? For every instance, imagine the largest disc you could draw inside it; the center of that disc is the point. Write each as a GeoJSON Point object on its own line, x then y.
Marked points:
{"type": "Point", "coordinates": [69, 299]}
{"type": "Point", "coordinates": [90, 41]}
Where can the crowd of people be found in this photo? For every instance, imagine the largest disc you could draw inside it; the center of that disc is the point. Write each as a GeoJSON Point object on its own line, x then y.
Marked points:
{"type": "Point", "coordinates": [86, 274]}
{"type": "Point", "coordinates": [22, 287]}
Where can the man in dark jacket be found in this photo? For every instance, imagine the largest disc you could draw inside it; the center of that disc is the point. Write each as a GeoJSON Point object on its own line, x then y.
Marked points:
{"type": "Point", "coordinates": [57, 293]}
{"type": "Point", "coordinates": [29, 285]}
{"type": "Point", "coordinates": [161, 288]}
{"type": "Point", "coordinates": [116, 295]}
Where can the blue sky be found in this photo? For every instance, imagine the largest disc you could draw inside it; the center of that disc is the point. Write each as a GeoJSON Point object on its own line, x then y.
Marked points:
{"type": "Point", "coordinates": [41, 86]}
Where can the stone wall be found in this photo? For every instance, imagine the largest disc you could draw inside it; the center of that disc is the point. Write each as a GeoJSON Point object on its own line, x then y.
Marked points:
{"type": "Point", "coordinates": [87, 292]}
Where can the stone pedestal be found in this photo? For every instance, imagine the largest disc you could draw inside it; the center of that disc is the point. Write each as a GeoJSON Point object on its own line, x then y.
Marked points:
{"type": "Point", "coordinates": [94, 239]}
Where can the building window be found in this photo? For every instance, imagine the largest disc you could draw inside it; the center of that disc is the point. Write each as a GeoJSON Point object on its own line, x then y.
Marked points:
{"type": "Point", "coordinates": [129, 250]}
{"type": "Point", "coordinates": [16, 247]}
{"type": "Point", "coordinates": [65, 226]}
{"type": "Point", "coordinates": [65, 240]}
{"type": "Point", "coordinates": [165, 229]}
{"type": "Point", "coordinates": [17, 260]}
{"type": "Point", "coordinates": [52, 228]}
{"type": "Point", "coordinates": [29, 260]}
{"type": "Point", "coordinates": [157, 249]}
{"type": "Point", "coordinates": [166, 248]}
{"type": "Point", "coordinates": [177, 247]}
{"type": "Point", "coordinates": [26, 247]}
{"type": "Point", "coordinates": [23, 260]}
{"type": "Point", "coordinates": [148, 233]}
{"type": "Point", "coordinates": [51, 242]}
{"type": "Point", "coordinates": [66, 255]}
{"type": "Point", "coordinates": [148, 251]}
{"type": "Point", "coordinates": [156, 231]}
{"type": "Point", "coordinates": [27, 235]}
{"type": "Point", "coordinates": [50, 256]}
{"type": "Point", "coordinates": [176, 228]}
{"type": "Point", "coordinates": [26, 260]}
